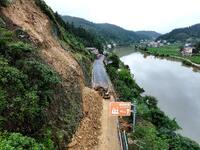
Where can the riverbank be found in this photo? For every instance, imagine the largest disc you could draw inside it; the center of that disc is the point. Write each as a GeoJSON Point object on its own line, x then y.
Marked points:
{"type": "Point", "coordinates": [154, 129]}
{"type": "Point", "coordinates": [173, 54]}
{"type": "Point", "coordinates": [119, 51]}
{"type": "Point", "coordinates": [173, 51]}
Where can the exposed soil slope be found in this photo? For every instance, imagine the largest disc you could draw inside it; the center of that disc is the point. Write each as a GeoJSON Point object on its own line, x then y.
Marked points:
{"type": "Point", "coordinates": [86, 136]}
{"type": "Point", "coordinates": [25, 14]}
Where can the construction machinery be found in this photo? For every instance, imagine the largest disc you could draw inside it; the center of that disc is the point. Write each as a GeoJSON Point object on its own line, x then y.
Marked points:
{"type": "Point", "coordinates": [104, 92]}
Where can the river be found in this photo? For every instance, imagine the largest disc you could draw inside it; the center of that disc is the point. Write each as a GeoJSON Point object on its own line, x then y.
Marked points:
{"type": "Point", "coordinates": [176, 87]}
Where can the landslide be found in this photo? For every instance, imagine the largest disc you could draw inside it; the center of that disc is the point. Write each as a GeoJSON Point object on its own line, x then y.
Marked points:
{"type": "Point", "coordinates": [65, 111]}
{"type": "Point", "coordinates": [86, 136]}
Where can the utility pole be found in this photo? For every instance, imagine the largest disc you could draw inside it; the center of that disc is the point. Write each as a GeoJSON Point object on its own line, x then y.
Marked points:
{"type": "Point", "coordinates": [134, 111]}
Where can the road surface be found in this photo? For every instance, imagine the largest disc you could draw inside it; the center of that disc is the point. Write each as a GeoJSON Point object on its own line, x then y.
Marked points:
{"type": "Point", "coordinates": [100, 77]}
{"type": "Point", "coordinates": [109, 139]}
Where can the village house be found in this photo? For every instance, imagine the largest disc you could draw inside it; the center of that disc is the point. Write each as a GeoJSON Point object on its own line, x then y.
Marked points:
{"type": "Point", "coordinates": [187, 50]}
{"type": "Point", "coordinates": [155, 44]}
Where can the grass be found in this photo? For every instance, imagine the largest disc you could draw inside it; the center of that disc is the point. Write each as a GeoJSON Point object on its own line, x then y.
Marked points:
{"type": "Point", "coordinates": [195, 59]}
{"type": "Point", "coordinates": [171, 51]}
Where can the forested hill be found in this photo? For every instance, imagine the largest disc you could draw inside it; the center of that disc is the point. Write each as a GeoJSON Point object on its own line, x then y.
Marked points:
{"type": "Point", "coordinates": [149, 34]}
{"type": "Point", "coordinates": [191, 33]}
{"type": "Point", "coordinates": [109, 32]}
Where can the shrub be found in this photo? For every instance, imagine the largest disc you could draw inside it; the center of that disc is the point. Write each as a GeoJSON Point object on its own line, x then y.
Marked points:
{"type": "Point", "coordinates": [26, 85]}
{"type": "Point", "coordinates": [182, 143]}
{"type": "Point", "coordinates": [21, 103]}
{"type": "Point", "coordinates": [115, 60]}
{"type": "Point", "coordinates": [30, 92]}
{"type": "Point", "coordinates": [2, 23]}
{"type": "Point", "coordinates": [24, 95]}
{"type": "Point", "coordinates": [16, 141]}
{"type": "Point", "coordinates": [160, 120]}
{"type": "Point", "coordinates": [187, 63]}
{"type": "Point", "coordinates": [147, 138]}
{"type": "Point", "coordinates": [5, 37]}
{"type": "Point", "coordinates": [6, 2]}
{"type": "Point", "coordinates": [17, 50]}
{"type": "Point", "coordinates": [150, 101]}
{"type": "Point", "coordinates": [125, 76]}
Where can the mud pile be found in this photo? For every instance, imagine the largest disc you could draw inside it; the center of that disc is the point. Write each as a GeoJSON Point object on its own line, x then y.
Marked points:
{"type": "Point", "coordinates": [87, 134]}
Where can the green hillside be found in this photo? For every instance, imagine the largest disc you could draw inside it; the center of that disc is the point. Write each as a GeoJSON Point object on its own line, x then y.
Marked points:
{"type": "Point", "coordinates": [109, 32]}
{"type": "Point", "coordinates": [191, 33]}
{"type": "Point", "coordinates": [149, 34]}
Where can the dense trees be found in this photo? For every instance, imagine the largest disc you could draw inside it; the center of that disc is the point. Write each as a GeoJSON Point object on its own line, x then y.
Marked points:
{"type": "Point", "coordinates": [107, 32]}
{"type": "Point", "coordinates": [77, 38]}
{"type": "Point", "coordinates": [197, 47]}
{"type": "Point", "coordinates": [182, 34]}
{"type": "Point", "coordinates": [16, 141]}
{"type": "Point", "coordinates": [87, 38]}
{"type": "Point", "coordinates": [27, 86]}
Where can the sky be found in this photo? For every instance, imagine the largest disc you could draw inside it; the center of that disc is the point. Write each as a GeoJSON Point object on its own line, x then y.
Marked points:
{"type": "Point", "coordinates": [155, 15]}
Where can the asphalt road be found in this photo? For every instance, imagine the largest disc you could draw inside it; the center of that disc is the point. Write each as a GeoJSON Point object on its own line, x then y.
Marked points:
{"type": "Point", "coordinates": [100, 77]}
{"type": "Point", "coordinates": [108, 139]}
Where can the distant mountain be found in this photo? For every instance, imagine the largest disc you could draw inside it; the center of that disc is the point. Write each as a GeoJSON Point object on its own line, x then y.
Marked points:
{"type": "Point", "coordinates": [191, 33]}
{"type": "Point", "coordinates": [149, 34]}
{"type": "Point", "coordinates": [109, 32]}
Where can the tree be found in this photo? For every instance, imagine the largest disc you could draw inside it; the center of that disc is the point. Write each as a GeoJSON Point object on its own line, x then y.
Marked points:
{"type": "Point", "coordinates": [197, 47]}
{"type": "Point", "coordinates": [16, 141]}
{"type": "Point", "coordinates": [115, 60]}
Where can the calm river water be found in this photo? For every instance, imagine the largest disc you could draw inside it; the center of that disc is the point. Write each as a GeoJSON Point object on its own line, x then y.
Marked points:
{"type": "Point", "coordinates": [176, 87]}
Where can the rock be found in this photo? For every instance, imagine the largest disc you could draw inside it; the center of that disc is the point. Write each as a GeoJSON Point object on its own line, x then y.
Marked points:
{"type": "Point", "coordinates": [80, 137]}
{"type": "Point", "coordinates": [72, 144]}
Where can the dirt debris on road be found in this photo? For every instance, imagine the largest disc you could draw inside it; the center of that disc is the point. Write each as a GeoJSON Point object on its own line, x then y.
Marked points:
{"type": "Point", "coordinates": [86, 137]}
{"type": "Point", "coordinates": [108, 139]}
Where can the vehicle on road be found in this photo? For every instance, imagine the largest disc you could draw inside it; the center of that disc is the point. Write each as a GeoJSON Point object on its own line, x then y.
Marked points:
{"type": "Point", "coordinates": [104, 92]}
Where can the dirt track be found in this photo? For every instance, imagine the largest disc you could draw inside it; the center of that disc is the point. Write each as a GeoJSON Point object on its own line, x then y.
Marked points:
{"type": "Point", "coordinates": [109, 134]}
{"type": "Point", "coordinates": [98, 130]}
